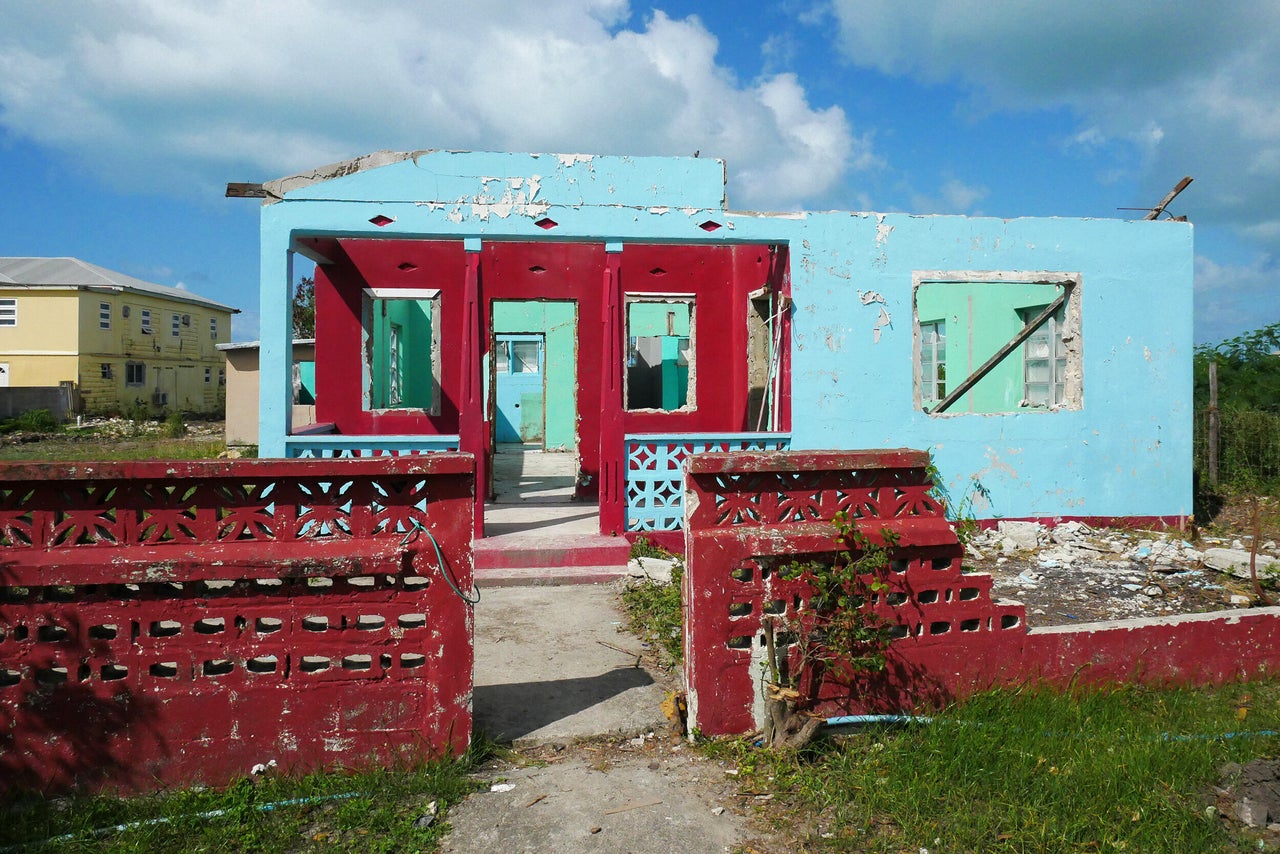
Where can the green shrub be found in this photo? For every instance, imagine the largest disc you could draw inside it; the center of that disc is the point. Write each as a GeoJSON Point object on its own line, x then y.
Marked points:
{"type": "Point", "coordinates": [174, 427]}
{"type": "Point", "coordinates": [37, 421]}
{"type": "Point", "coordinates": [139, 413]}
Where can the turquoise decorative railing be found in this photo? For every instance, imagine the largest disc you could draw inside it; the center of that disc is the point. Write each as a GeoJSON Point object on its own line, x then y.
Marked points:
{"type": "Point", "coordinates": [655, 490]}
{"type": "Point", "coordinates": [331, 446]}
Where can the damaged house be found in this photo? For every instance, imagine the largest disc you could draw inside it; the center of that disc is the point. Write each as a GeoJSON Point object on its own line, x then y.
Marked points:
{"type": "Point", "coordinates": [616, 309]}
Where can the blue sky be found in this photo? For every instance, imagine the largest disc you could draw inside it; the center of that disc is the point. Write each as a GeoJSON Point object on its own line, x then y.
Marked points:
{"type": "Point", "coordinates": [121, 121]}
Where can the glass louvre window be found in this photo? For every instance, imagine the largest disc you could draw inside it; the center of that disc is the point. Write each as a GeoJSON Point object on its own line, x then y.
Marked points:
{"type": "Point", "coordinates": [1044, 361]}
{"type": "Point", "coordinates": [524, 357]}
{"type": "Point", "coordinates": [104, 315]}
{"type": "Point", "coordinates": [213, 328]}
{"type": "Point", "coordinates": [9, 312]}
{"type": "Point", "coordinates": [176, 326]}
{"type": "Point", "coordinates": [395, 369]}
{"type": "Point", "coordinates": [933, 362]}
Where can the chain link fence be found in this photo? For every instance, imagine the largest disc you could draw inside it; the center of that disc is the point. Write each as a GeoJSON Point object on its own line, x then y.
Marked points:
{"type": "Point", "coordinates": [1248, 448]}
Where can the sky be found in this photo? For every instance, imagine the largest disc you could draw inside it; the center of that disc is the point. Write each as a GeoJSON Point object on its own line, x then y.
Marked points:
{"type": "Point", "coordinates": [122, 121]}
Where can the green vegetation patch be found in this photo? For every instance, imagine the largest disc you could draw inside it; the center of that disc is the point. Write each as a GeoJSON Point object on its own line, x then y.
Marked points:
{"type": "Point", "coordinates": [379, 810]}
{"type": "Point", "coordinates": [1123, 769]}
{"type": "Point", "coordinates": [654, 609]}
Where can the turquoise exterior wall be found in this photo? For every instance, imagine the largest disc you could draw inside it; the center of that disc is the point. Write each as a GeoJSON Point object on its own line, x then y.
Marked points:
{"type": "Point", "coordinates": [1125, 452]}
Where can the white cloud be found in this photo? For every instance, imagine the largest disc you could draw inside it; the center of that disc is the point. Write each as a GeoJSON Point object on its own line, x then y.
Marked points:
{"type": "Point", "coordinates": [176, 94]}
{"type": "Point", "coordinates": [1229, 297]}
{"type": "Point", "coordinates": [1193, 88]}
{"type": "Point", "coordinates": [953, 197]}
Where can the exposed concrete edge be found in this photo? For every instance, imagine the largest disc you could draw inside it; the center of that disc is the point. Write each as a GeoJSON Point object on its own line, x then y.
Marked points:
{"type": "Point", "coordinates": [548, 576]}
{"type": "Point", "coordinates": [277, 189]}
{"type": "Point", "coordinates": [1230, 617]}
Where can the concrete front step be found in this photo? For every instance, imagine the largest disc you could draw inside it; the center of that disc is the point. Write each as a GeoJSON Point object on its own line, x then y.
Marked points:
{"type": "Point", "coordinates": [524, 550]}
{"type": "Point", "coordinates": [548, 576]}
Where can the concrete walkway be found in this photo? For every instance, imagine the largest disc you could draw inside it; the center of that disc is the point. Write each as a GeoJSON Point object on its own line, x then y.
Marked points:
{"type": "Point", "coordinates": [551, 667]}
{"type": "Point", "coordinates": [596, 768]}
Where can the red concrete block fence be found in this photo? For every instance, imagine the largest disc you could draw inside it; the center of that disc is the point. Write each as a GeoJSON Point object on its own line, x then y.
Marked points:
{"type": "Point", "coordinates": [747, 514]}
{"type": "Point", "coordinates": [180, 622]}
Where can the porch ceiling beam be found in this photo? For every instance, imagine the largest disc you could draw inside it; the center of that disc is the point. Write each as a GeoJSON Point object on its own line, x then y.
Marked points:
{"type": "Point", "coordinates": [1011, 345]}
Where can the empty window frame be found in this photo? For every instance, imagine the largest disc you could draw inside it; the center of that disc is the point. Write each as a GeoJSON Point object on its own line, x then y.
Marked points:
{"type": "Point", "coordinates": [660, 353]}
{"type": "Point", "coordinates": [135, 373]}
{"type": "Point", "coordinates": [105, 368]}
{"type": "Point", "coordinates": [402, 349]}
{"type": "Point", "coordinates": [9, 311]}
{"type": "Point", "coordinates": [104, 315]}
{"type": "Point", "coordinates": [145, 316]}
{"type": "Point", "coordinates": [995, 363]}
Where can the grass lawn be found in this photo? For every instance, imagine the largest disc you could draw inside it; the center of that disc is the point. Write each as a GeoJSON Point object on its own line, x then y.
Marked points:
{"type": "Point", "coordinates": [381, 810]}
{"type": "Point", "coordinates": [1124, 769]}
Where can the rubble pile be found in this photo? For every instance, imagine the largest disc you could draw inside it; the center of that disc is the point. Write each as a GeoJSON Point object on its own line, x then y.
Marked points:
{"type": "Point", "coordinates": [1074, 573]}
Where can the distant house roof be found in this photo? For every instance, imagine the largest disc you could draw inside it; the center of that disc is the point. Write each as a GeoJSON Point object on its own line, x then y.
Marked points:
{"type": "Point", "coordinates": [74, 273]}
{"type": "Point", "coordinates": [254, 345]}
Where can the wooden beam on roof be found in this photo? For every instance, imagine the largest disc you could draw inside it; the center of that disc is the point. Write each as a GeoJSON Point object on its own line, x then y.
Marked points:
{"type": "Point", "coordinates": [237, 190]}
{"type": "Point", "coordinates": [1013, 343]}
{"type": "Point", "coordinates": [1155, 212]}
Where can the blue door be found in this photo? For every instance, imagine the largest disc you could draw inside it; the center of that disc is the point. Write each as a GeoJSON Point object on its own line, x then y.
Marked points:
{"type": "Point", "coordinates": [518, 369]}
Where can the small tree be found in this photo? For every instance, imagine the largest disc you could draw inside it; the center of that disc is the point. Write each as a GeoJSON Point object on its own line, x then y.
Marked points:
{"type": "Point", "coordinates": [304, 308]}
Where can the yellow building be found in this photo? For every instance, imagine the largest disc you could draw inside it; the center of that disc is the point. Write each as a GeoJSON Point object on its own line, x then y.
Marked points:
{"type": "Point", "coordinates": [122, 341]}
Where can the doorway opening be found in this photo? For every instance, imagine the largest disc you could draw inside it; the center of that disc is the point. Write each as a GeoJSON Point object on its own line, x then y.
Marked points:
{"type": "Point", "coordinates": [532, 404]}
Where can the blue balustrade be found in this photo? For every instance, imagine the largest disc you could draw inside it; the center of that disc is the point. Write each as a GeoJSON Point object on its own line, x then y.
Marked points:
{"type": "Point", "coordinates": [655, 477]}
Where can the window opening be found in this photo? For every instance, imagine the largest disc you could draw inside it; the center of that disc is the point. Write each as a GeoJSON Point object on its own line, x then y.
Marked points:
{"type": "Point", "coordinates": [402, 349]}
{"type": "Point", "coordinates": [145, 316]}
{"type": "Point", "coordinates": [105, 367]}
{"type": "Point", "coordinates": [176, 326]}
{"type": "Point", "coordinates": [524, 357]}
{"type": "Point", "coordinates": [135, 373]}
{"type": "Point", "coordinates": [104, 315]}
{"type": "Point", "coordinates": [208, 376]}
{"type": "Point", "coordinates": [1015, 342]}
{"type": "Point", "coordinates": [213, 328]}
{"type": "Point", "coordinates": [660, 353]}
{"type": "Point", "coordinates": [8, 312]}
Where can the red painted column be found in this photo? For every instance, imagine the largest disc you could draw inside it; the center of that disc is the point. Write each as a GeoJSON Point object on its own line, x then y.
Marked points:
{"type": "Point", "coordinates": [472, 437]}
{"type": "Point", "coordinates": [613, 486]}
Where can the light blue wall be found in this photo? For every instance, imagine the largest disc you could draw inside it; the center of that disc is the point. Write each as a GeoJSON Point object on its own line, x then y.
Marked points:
{"type": "Point", "coordinates": [1127, 452]}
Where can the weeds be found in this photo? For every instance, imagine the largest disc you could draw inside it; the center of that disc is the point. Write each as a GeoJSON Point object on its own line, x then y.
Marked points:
{"type": "Point", "coordinates": [174, 426]}
{"type": "Point", "coordinates": [654, 609]}
{"type": "Point", "coordinates": [376, 810]}
{"type": "Point", "coordinates": [1124, 768]}
{"type": "Point", "coordinates": [32, 421]}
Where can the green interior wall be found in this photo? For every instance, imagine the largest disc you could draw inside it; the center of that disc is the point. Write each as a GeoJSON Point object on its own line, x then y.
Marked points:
{"type": "Point", "coordinates": [557, 321]}
{"type": "Point", "coordinates": [414, 319]}
{"type": "Point", "coordinates": [980, 317]}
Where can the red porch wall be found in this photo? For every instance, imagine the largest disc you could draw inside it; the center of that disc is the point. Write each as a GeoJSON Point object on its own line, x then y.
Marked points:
{"type": "Point", "coordinates": [719, 277]}
{"type": "Point", "coordinates": [339, 356]}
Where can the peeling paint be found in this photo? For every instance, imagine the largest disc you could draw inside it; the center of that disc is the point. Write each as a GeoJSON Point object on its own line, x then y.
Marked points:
{"type": "Point", "coordinates": [568, 160]}
{"type": "Point", "coordinates": [882, 321]}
